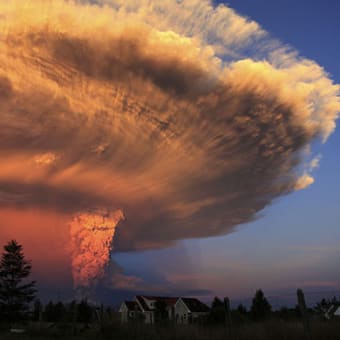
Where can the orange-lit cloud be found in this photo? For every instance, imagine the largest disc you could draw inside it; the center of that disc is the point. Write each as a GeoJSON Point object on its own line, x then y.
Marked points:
{"type": "Point", "coordinates": [304, 181]}
{"type": "Point", "coordinates": [147, 108]}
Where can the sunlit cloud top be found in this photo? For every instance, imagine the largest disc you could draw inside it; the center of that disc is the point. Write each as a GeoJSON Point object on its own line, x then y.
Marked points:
{"type": "Point", "coordinates": [187, 117]}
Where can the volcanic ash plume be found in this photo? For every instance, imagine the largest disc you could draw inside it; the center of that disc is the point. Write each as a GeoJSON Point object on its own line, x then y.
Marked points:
{"type": "Point", "coordinates": [91, 242]}
{"type": "Point", "coordinates": [186, 114]}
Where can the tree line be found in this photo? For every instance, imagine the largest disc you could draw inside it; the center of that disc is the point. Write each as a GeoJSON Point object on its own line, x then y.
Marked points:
{"type": "Point", "coordinates": [18, 300]}
{"type": "Point", "coordinates": [260, 309]}
{"type": "Point", "coordinates": [18, 294]}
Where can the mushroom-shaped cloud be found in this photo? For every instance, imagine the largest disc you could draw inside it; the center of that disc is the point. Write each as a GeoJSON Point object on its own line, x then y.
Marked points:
{"type": "Point", "coordinates": [185, 117]}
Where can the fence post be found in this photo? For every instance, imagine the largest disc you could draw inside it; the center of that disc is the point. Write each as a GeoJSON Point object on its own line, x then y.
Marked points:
{"type": "Point", "coordinates": [304, 313]}
{"type": "Point", "coordinates": [228, 316]}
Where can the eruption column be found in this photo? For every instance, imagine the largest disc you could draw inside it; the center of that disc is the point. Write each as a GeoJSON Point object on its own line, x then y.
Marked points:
{"type": "Point", "coordinates": [91, 244]}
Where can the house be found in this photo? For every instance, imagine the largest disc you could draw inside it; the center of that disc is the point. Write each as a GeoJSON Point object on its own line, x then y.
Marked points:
{"type": "Point", "coordinates": [337, 312]}
{"type": "Point", "coordinates": [333, 312]}
{"type": "Point", "coordinates": [148, 308]}
{"type": "Point", "coordinates": [190, 310]}
{"type": "Point", "coordinates": [153, 308]}
{"type": "Point", "coordinates": [129, 310]}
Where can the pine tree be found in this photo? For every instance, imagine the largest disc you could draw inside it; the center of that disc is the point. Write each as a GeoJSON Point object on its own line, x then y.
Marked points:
{"type": "Point", "coordinates": [217, 311]}
{"type": "Point", "coordinates": [260, 307]}
{"type": "Point", "coordinates": [217, 303]}
{"type": "Point", "coordinates": [16, 292]}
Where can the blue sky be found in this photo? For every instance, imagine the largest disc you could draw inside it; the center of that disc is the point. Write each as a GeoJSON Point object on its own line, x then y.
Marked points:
{"type": "Point", "coordinates": [295, 242]}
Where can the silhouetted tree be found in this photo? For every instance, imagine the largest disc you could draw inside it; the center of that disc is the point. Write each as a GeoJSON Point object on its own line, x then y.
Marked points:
{"type": "Point", "coordinates": [335, 301]}
{"type": "Point", "coordinates": [217, 302]}
{"type": "Point", "coordinates": [240, 314]}
{"type": "Point", "coordinates": [241, 309]}
{"type": "Point", "coordinates": [49, 312]}
{"type": "Point", "coordinates": [59, 311]}
{"type": "Point", "coordinates": [217, 311]}
{"type": "Point", "coordinates": [72, 311]}
{"type": "Point", "coordinates": [260, 307]}
{"type": "Point", "coordinates": [84, 312]}
{"type": "Point", "coordinates": [16, 293]}
{"type": "Point", "coordinates": [37, 310]}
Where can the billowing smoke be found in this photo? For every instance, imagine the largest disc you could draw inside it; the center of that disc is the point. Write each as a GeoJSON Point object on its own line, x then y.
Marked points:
{"type": "Point", "coordinates": [91, 236]}
{"type": "Point", "coordinates": [187, 117]}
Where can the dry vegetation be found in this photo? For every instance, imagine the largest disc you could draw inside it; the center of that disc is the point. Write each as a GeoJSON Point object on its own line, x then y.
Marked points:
{"type": "Point", "coordinates": [271, 329]}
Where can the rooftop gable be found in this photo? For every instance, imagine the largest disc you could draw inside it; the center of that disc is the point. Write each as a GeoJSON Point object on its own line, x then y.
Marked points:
{"type": "Point", "coordinates": [195, 305]}
{"type": "Point", "coordinates": [142, 304]}
{"type": "Point", "coordinates": [141, 300]}
{"type": "Point", "coordinates": [132, 305]}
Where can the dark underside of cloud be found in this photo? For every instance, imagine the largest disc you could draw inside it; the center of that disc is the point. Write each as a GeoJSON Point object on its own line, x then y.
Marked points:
{"type": "Point", "coordinates": [150, 121]}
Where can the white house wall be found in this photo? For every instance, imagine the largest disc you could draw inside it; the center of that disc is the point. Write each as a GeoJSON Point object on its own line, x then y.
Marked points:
{"type": "Point", "coordinates": [149, 303]}
{"type": "Point", "coordinates": [124, 313]}
{"type": "Point", "coordinates": [337, 312]}
{"type": "Point", "coordinates": [181, 312]}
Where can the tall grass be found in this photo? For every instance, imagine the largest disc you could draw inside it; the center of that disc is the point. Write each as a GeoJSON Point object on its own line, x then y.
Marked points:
{"type": "Point", "coordinates": [267, 330]}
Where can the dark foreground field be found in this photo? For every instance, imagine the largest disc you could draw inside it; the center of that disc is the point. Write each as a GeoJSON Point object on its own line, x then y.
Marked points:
{"type": "Point", "coordinates": [271, 330]}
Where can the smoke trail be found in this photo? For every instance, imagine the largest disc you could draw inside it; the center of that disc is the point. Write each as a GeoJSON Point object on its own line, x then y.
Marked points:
{"type": "Point", "coordinates": [91, 236]}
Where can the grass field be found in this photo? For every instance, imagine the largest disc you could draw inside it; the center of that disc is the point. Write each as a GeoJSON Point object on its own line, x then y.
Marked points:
{"type": "Point", "coordinates": [271, 330]}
